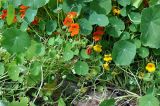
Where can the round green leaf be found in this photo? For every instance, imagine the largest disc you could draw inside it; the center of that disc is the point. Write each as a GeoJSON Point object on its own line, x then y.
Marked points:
{"type": "Point", "coordinates": [30, 15]}
{"type": "Point", "coordinates": [148, 100]}
{"type": "Point", "coordinates": [124, 2]}
{"type": "Point", "coordinates": [123, 52]}
{"type": "Point", "coordinates": [135, 17]}
{"type": "Point", "coordinates": [15, 41]}
{"type": "Point", "coordinates": [143, 52]}
{"type": "Point", "coordinates": [99, 19]}
{"type": "Point", "coordinates": [101, 6]}
{"type": "Point", "coordinates": [116, 28]}
{"type": "Point", "coordinates": [85, 26]}
{"type": "Point", "coordinates": [84, 54]}
{"type": "Point", "coordinates": [68, 55]}
{"type": "Point", "coordinates": [81, 68]}
{"type": "Point", "coordinates": [13, 71]}
{"type": "Point", "coordinates": [34, 3]}
{"type": "Point", "coordinates": [35, 68]}
{"type": "Point", "coordinates": [36, 49]}
{"type": "Point", "coordinates": [150, 26]}
{"type": "Point", "coordinates": [51, 26]}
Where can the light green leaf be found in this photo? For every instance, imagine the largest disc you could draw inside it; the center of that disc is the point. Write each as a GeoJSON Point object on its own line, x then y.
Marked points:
{"type": "Point", "coordinates": [109, 102]}
{"type": "Point", "coordinates": [99, 19]}
{"type": "Point", "coordinates": [34, 3]}
{"type": "Point", "coordinates": [123, 52]}
{"type": "Point", "coordinates": [15, 41]}
{"type": "Point", "coordinates": [35, 68]}
{"type": "Point", "coordinates": [30, 15]}
{"type": "Point", "coordinates": [136, 3]}
{"type": "Point", "coordinates": [135, 17]}
{"type": "Point", "coordinates": [81, 68]}
{"type": "Point", "coordinates": [68, 55]}
{"type": "Point", "coordinates": [148, 100]}
{"type": "Point", "coordinates": [150, 26]}
{"type": "Point", "coordinates": [143, 52]}
{"type": "Point", "coordinates": [13, 71]}
{"type": "Point", "coordinates": [83, 54]}
{"type": "Point", "coordinates": [10, 14]}
{"type": "Point", "coordinates": [101, 6]}
{"type": "Point", "coordinates": [116, 27]}
{"type": "Point", "coordinates": [124, 2]}
{"type": "Point", "coordinates": [85, 26]}
{"type": "Point", "coordinates": [61, 102]}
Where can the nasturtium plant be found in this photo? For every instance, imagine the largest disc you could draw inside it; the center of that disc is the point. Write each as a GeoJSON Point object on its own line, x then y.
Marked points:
{"type": "Point", "coordinates": [150, 27]}
{"type": "Point", "coordinates": [148, 100]}
{"type": "Point", "coordinates": [11, 14]}
{"type": "Point", "coordinates": [85, 26]}
{"type": "Point", "coordinates": [30, 15]}
{"type": "Point", "coordinates": [13, 71]}
{"type": "Point", "coordinates": [64, 52]}
{"type": "Point", "coordinates": [123, 52]}
{"type": "Point", "coordinates": [35, 4]}
{"type": "Point", "coordinates": [116, 27]}
{"type": "Point", "coordinates": [51, 26]}
{"type": "Point", "coordinates": [15, 40]}
{"type": "Point", "coordinates": [98, 19]}
{"type": "Point", "coordinates": [81, 68]}
{"type": "Point", "coordinates": [101, 6]}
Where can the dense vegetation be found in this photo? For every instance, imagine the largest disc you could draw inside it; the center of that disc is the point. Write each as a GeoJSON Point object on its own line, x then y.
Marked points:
{"type": "Point", "coordinates": [58, 52]}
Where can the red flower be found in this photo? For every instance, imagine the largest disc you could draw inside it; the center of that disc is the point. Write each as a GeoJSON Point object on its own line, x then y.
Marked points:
{"type": "Point", "coordinates": [35, 21]}
{"type": "Point", "coordinates": [89, 50]}
{"type": "Point", "coordinates": [4, 14]}
{"type": "Point", "coordinates": [97, 35]}
{"type": "Point", "coordinates": [74, 29]}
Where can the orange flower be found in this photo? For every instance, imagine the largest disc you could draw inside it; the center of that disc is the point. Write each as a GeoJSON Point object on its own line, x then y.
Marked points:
{"type": "Point", "coordinates": [23, 10]}
{"type": "Point", "coordinates": [4, 14]}
{"type": "Point", "coordinates": [74, 29]}
{"type": "Point", "coordinates": [67, 21]}
{"type": "Point", "coordinates": [72, 14]}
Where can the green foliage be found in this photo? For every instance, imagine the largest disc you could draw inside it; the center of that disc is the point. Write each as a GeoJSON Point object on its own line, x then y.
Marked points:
{"type": "Point", "coordinates": [114, 46]}
{"type": "Point", "coordinates": [101, 6]}
{"type": "Point", "coordinates": [123, 52]}
{"type": "Point", "coordinates": [109, 102]}
{"type": "Point", "coordinates": [150, 27]}
{"type": "Point", "coordinates": [99, 19]}
{"type": "Point", "coordinates": [85, 26]}
{"type": "Point", "coordinates": [10, 14]}
{"type": "Point", "coordinates": [81, 68]}
{"type": "Point", "coordinates": [15, 41]}
{"type": "Point", "coordinates": [148, 100]}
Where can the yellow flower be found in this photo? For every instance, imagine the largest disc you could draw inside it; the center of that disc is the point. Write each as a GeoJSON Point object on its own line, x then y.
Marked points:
{"type": "Point", "coordinates": [150, 67]}
{"type": "Point", "coordinates": [107, 58]}
{"type": "Point", "coordinates": [106, 66]}
{"type": "Point", "coordinates": [116, 11]}
{"type": "Point", "coordinates": [97, 48]}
